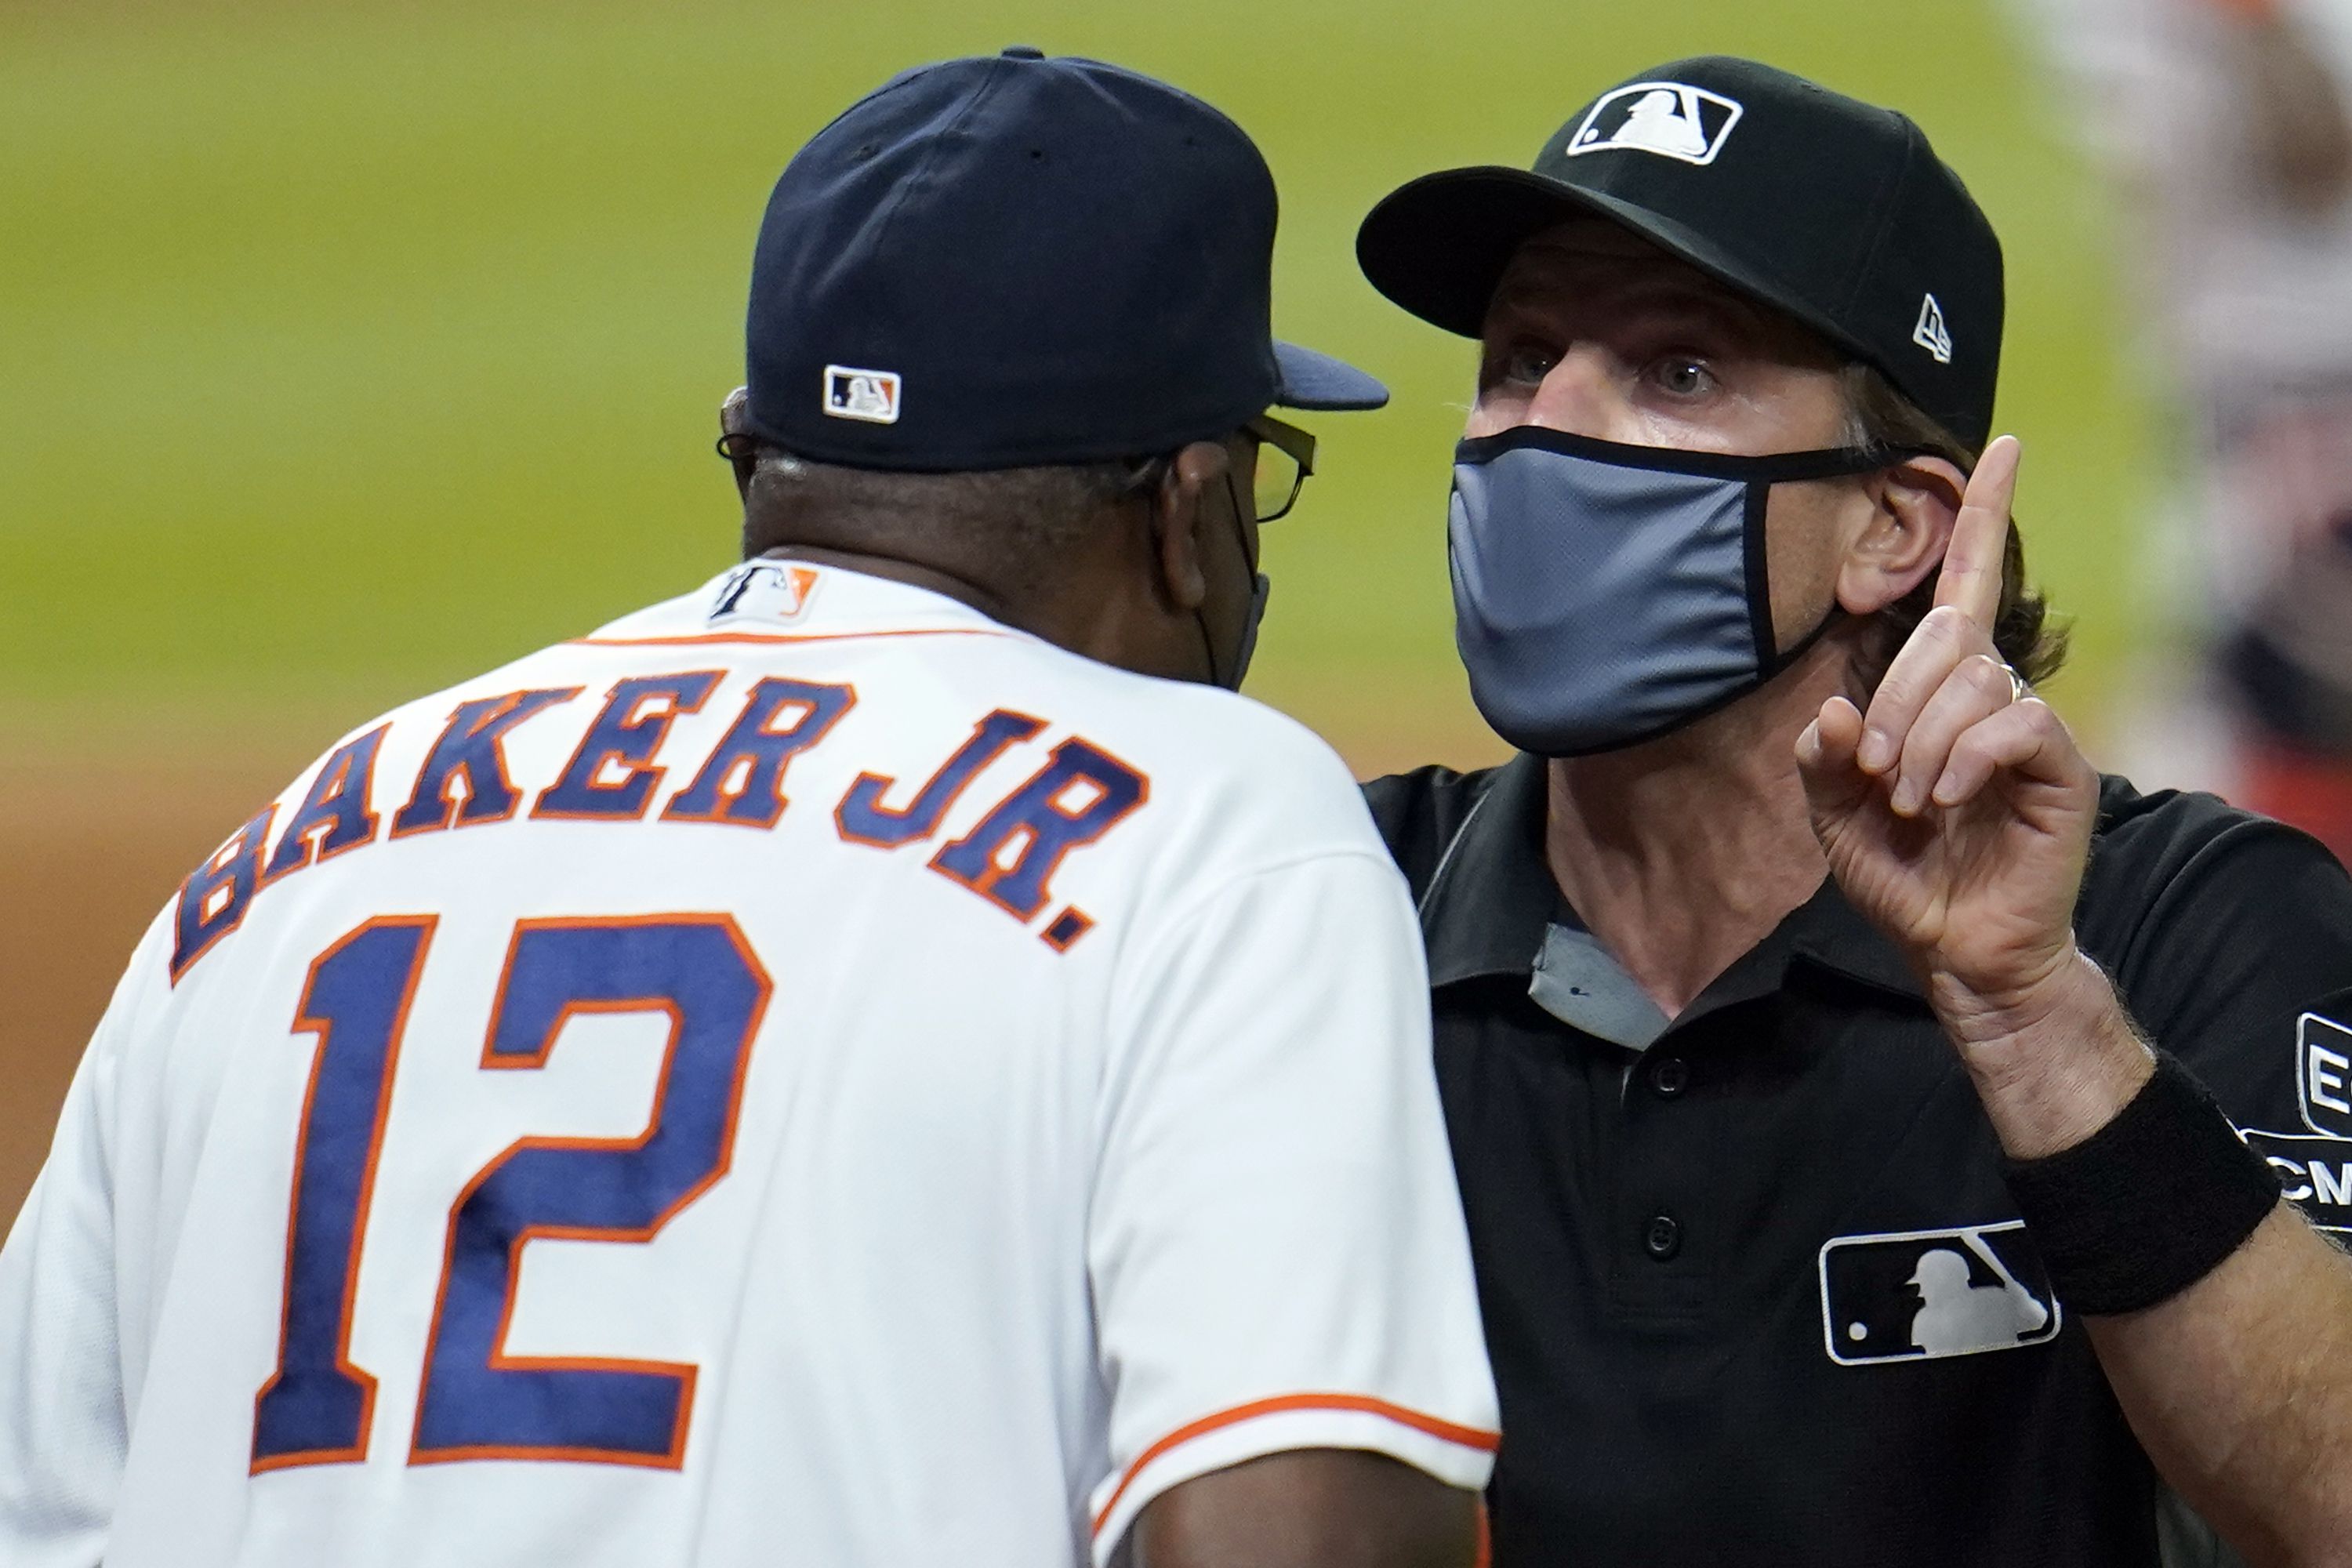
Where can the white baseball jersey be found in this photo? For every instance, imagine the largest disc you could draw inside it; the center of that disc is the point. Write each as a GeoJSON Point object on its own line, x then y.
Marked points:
{"type": "Point", "coordinates": [805, 1075]}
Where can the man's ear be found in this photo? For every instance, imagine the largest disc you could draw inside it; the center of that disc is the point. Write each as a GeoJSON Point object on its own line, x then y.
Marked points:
{"type": "Point", "coordinates": [1180, 510]}
{"type": "Point", "coordinates": [1914, 505]}
{"type": "Point", "coordinates": [734, 433]}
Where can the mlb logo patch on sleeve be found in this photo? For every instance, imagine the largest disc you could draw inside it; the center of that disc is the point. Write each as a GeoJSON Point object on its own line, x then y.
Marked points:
{"type": "Point", "coordinates": [868, 394]}
{"type": "Point", "coordinates": [2323, 1070]}
{"type": "Point", "coordinates": [1921, 1294]}
{"type": "Point", "coordinates": [1669, 118]}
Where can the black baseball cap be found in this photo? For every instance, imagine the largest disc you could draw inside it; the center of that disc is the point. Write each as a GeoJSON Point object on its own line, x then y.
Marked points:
{"type": "Point", "coordinates": [1013, 260]}
{"type": "Point", "coordinates": [1833, 210]}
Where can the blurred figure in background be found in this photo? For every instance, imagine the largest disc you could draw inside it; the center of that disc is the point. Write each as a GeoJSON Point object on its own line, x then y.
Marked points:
{"type": "Point", "coordinates": [2227, 121]}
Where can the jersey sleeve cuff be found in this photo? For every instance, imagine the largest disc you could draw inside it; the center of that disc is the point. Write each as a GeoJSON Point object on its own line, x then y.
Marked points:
{"type": "Point", "coordinates": [1456, 1455]}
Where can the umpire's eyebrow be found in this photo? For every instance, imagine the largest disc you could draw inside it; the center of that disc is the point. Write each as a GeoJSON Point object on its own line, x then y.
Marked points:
{"type": "Point", "coordinates": [1672, 283]}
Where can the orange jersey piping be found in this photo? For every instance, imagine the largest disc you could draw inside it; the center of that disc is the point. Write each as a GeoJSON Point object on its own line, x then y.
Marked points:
{"type": "Point", "coordinates": [1467, 1437]}
{"type": "Point", "coordinates": [691, 639]}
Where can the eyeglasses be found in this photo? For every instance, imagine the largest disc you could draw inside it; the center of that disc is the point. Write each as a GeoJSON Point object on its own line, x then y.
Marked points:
{"type": "Point", "coordinates": [1285, 455]}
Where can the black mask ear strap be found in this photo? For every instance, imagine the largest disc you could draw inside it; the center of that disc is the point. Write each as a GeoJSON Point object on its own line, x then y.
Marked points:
{"type": "Point", "coordinates": [1771, 658]}
{"type": "Point", "coordinates": [1207, 646]}
{"type": "Point", "coordinates": [1761, 474]}
{"type": "Point", "coordinates": [1803, 645]}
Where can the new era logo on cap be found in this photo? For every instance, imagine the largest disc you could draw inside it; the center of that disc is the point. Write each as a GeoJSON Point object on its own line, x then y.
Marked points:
{"type": "Point", "coordinates": [1669, 118]}
{"type": "Point", "coordinates": [868, 394]}
{"type": "Point", "coordinates": [1921, 1294]}
{"type": "Point", "coordinates": [1931, 333]}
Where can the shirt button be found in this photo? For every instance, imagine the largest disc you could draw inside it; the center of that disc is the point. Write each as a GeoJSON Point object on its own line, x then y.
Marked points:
{"type": "Point", "coordinates": [1663, 1237]}
{"type": "Point", "coordinates": [1670, 1078]}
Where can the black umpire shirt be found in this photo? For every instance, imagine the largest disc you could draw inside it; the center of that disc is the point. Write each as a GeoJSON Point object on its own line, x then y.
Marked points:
{"type": "Point", "coordinates": [1753, 1287]}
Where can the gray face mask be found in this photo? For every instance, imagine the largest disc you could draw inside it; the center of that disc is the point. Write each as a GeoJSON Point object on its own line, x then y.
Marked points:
{"type": "Point", "coordinates": [1606, 594]}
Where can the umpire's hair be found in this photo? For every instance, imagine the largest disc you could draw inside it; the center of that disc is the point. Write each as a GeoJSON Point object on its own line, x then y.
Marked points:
{"type": "Point", "coordinates": [2023, 632]}
{"type": "Point", "coordinates": [1010, 529]}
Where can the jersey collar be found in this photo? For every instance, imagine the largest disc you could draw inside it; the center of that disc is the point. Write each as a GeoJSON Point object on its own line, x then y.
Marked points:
{"type": "Point", "coordinates": [780, 600]}
{"type": "Point", "coordinates": [1490, 906]}
{"type": "Point", "coordinates": [1490, 902]}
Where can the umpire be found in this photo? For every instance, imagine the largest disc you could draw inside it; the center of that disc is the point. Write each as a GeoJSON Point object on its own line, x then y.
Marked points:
{"type": "Point", "coordinates": [1827, 1206]}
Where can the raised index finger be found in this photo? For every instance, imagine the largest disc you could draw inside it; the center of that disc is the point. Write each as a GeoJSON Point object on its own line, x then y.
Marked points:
{"type": "Point", "coordinates": [1970, 580]}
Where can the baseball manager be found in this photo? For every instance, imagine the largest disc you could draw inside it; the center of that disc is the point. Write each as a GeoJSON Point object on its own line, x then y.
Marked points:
{"type": "Point", "coordinates": [884, 1099]}
{"type": "Point", "coordinates": [1827, 1204]}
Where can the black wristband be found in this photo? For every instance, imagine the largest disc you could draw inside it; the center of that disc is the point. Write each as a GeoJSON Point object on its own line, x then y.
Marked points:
{"type": "Point", "coordinates": [2149, 1204]}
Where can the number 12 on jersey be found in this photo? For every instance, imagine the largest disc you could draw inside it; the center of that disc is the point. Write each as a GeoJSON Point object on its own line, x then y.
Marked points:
{"type": "Point", "coordinates": [475, 1401]}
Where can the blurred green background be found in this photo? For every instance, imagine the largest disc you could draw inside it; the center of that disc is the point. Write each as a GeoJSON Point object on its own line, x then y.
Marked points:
{"type": "Point", "coordinates": [346, 351]}
{"type": "Point", "coordinates": [349, 350]}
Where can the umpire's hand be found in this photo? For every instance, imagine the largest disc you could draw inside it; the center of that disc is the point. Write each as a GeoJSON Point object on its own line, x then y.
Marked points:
{"type": "Point", "coordinates": [1957, 816]}
{"type": "Point", "coordinates": [1957, 813]}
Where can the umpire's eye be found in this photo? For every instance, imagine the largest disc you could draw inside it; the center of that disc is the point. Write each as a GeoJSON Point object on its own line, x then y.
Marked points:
{"type": "Point", "coordinates": [1683, 376]}
{"type": "Point", "coordinates": [1526, 364]}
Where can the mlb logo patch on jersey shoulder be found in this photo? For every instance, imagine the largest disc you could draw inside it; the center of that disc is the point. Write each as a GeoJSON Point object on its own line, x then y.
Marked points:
{"type": "Point", "coordinates": [872, 395]}
{"type": "Point", "coordinates": [777, 591]}
{"type": "Point", "coordinates": [1670, 119]}
{"type": "Point", "coordinates": [1917, 1295]}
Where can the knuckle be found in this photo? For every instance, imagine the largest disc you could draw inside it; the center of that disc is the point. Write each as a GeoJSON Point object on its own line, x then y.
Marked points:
{"type": "Point", "coordinates": [1890, 708]}
{"type": "Point", "coordinates": [1945, 622]}
{"type": "Point", "coordinates": [1986, 673]}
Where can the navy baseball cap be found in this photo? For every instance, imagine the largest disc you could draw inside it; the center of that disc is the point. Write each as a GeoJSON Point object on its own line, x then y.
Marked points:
{"type": "Point", "coordinates": [1011, 261]}
{"type": "Point", "coordinates": [1836, 211]}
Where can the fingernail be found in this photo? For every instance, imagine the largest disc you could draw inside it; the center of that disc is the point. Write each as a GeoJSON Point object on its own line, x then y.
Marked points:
{"type": "Point", "coordinates": [1948, 790]}
{"type": "Point", "coordinates": [1907, 798]}
{"type": "Point", "coordinates": [1876, 750]}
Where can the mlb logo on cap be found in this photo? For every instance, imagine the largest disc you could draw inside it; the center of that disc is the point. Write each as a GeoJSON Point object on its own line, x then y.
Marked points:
{"type": "Point", "coordinates": [868, 394]}
{"type": "Point", "coordinates": [1921, 1294]}
{"type": "Point", "coordinates": [1669, 118]}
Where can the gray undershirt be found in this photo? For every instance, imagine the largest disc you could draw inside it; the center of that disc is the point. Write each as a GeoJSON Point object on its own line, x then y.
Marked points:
{"type": "Point", "coordinates": [1577, 981]}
